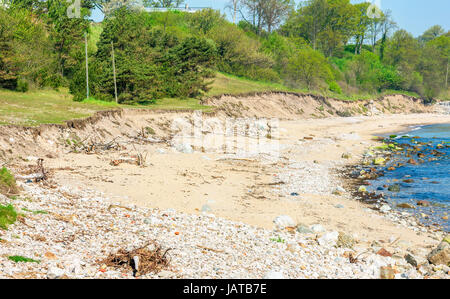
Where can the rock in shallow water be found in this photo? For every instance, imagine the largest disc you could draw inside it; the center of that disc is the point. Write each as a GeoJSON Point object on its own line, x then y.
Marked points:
{"type": "Point", "coordinates": [405, 206]}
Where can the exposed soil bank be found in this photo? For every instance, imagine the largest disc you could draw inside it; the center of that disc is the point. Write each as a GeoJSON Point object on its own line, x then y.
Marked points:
{"type": "Point", "coordinates": [285, 105]}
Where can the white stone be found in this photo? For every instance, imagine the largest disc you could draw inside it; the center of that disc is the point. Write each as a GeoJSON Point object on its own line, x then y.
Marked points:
{"type": "Point", "coordinates": [329, 239]}
{"type": "Point", "coordinates": [274, 275]}
{"type": "Point", "coordinates": [281, 222]}
{"type": "Point", "coordinates": [317, 228]}
{"type": "Point", "coordinates": [54, 273]}
{"type": "Point", "coordinates": [385, 208]}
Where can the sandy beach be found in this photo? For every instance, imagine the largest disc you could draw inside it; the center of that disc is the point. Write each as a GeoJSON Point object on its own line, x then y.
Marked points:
{"type": "Point", "coordinates": [237, 190]}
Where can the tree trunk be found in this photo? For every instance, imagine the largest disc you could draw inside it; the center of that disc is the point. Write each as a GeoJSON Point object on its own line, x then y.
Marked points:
{"type": "Point", "coordinates": [446, 76]}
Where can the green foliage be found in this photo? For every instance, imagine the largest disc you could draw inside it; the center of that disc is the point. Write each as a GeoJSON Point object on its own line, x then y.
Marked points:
{"type": "Point", "coordinates": [240, 55]}
{"type": "Point", "coordinates": [334, 87]}
{"type": "Point", "coordinates": [8, 216]}
{"type": "Point", "coordinates": [150, 63]}
{"type": "Point", "coordinates": [22, 259]}
{"type": "Point", "coordinates": [25, 52]}
{"type": "Point", "coordinates": [7, 182]}
{"type": "Point", "coordinates": [331, 46]}
{"type": "Point", "coordinates": [309, 67]}
{"type": "Point", "coordinates": [22, 85]}
{"type": "Point", "coordinates": [204, 20]}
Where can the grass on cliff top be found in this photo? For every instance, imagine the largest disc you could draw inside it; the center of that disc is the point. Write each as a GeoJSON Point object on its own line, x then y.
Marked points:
{"type": "Point", "coordinates": [47, 106]}
{"type": "Point", "coordinates": [51, 107]}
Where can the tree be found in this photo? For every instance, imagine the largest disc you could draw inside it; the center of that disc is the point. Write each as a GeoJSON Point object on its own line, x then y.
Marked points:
{"type": "Point", "coordinates": [432, 33]}
{"type": "Point", "coordinates": [163, 3]}
{"type": "Point", "coordinates": [234, 5]}
{"type": "Point", "coordinates": [274, 11]}
{"type": "Point", "coordinates": [327, 24]}
{"type": "Point", "coordinates": [387, 24]}
{"type": "Point", "coordinates": [252, 12]}
{"type": "Point", "coordinates": [26, 54]}
{"type": "Point", "coordinates": [309, 67]}
{"type": "Point", "coordinates": [437, 53]}
{"type": "Point", "coordinates": [206, 19]}
{"type": "Point", "coordinates": [308, 21]}
{"type": "Point", "coordinates": [362, 25]}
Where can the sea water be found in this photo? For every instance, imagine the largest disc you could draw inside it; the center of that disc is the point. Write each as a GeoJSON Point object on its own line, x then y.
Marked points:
{"type": "Point", "coordinates": [430, 179]}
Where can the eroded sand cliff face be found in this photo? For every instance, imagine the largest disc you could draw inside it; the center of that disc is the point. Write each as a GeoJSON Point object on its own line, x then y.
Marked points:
{"type": "Point", "coordinates": [102, 126]}
{"type": "Point", "coordinates": [300, 106]}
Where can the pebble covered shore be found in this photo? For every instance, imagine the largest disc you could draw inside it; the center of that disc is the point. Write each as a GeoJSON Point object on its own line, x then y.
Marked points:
{"type": "Point", "coordinates": [67, 233]}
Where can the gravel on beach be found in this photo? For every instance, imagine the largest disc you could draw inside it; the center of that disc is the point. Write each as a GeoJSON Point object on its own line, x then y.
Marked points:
{"type": "Point", "coordinates": [67, 232]}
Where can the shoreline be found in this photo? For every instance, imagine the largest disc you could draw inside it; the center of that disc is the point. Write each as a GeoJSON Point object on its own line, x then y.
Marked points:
{"type": "Point", "coordinates": [376, 202]}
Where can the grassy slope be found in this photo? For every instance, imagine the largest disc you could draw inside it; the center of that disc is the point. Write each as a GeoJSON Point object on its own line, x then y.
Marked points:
{"type": "Point", "coordinates": [49, 106]}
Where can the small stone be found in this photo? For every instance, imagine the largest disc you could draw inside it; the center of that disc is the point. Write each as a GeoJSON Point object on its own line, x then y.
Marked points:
{"type": "Point", "coordinates": [50, 255]}
{"type": "Point", "coordinates": [302, 229]}
{"type": "Point", "coordinates": [55, 273]}
{"type": "Point", "coordinates": [384, 252]}
{"type": "Point", "coordinates": [317, 228]}
{"type": "Point", "coordinates": [206, 209]}
{"type": "Point", "coordinates": [274, 275]}
{"type": "Point", "coordinates": [346, 155]}
{"type": "Point", "coordinates": [379, 161]}
{"type": "Point", "coordinates": [405, 206]}
{"type": "Point", "coordinates": [423, 203]}
{"type": "Point", "coordinates": [362, 189]}
{"type": "Point", "coordinates": [329, 239]}
{"type": "Point", "coordinates": [413, 162]}
{"type": "Point", "coordinates": [339, 191]}
{"type": "Point", "coordinates": [387, 273]}
{"type": "Point", "coordinates": [281, 222]}
{"type": "Point", "coordinates": [385, 208]}
{"type": "Point", "coordinates": [446, 239]}
{"type": "Point", "coordinates": [394, 188]}
{"type": "Point", "coordinates": [411, 260]}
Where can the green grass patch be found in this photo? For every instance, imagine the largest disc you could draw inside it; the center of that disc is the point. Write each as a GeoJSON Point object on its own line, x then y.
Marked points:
{"type": "Point", "coordinates": [34, 212]}
{"type": "Point", "coordinates": [22, 259]}
{"type": "Point", "coordinates": [37, 107]}
{"type": "Point", "coordinates": [278, 240]}
{"type": "Point", "coordinates": [230, 84]}
{"type": "Point", "coordinates": [8, 216]}
{"type": "Point", "coordinates": [7, 182]}
{"type": "Point", "coordinates": [95, 102]}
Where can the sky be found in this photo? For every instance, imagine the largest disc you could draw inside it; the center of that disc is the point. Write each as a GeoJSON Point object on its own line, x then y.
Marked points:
{"type": "Point", "coordinates": [415, 16]}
